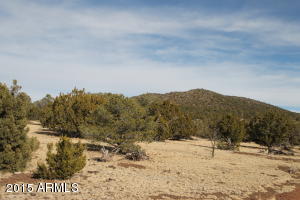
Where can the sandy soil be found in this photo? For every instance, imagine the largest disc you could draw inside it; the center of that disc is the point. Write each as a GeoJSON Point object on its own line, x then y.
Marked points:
{"type": "Point", "coordinates": [175, 170]}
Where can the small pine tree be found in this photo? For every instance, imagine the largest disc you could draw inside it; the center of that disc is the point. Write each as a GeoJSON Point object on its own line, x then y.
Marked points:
{"type": "Point", "coordinates": [15, 146]}
{"type": "Point", "coordinates": [63, 164]}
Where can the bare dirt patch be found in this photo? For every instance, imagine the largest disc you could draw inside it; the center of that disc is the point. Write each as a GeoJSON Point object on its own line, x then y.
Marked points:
{"type": "Point", "coordinates": [22, 178]}
{"type": "Point", "coordinates": [208, 196]}
{"type": "Point", "coordinates": [284, 168]}
{"type": "Point", "coordinates": [273, 195]}
{"type": "Point", "coordinates": [17, 178]}
{"type": "Point", "coordinates": [127, 165]}
{"type": "Point", "coordinates": [294, 195]}
{"type": "Point", "coordinates": [268, 195]}
{"type": "Point", "coordinates": [170, 196]}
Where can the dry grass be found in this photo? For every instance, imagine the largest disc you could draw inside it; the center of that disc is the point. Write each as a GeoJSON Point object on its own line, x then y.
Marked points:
{"type": "Point", "coordinates": [175, 170]}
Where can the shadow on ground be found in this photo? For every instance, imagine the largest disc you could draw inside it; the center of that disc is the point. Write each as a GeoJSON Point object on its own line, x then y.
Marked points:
{"type": "Point", "coordinates": [46, 132]}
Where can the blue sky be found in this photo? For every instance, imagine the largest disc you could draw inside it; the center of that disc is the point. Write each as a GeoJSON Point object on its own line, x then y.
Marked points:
{"type": "Point", "coordinates": [242, 48]}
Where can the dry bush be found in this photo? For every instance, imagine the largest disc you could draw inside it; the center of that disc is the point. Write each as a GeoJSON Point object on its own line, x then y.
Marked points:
{"type": "Point", "coordinates": [106, 155]}
{"type": "Point", "coordinates": [133, 152]}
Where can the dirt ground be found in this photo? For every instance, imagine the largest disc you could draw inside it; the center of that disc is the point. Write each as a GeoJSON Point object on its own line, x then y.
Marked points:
{"type": "Point", "coordinates": [175, 170]}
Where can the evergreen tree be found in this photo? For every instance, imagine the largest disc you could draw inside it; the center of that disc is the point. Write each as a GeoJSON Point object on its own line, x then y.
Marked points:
{"type": "Point", "coordinates": [63, 164]}
{"type": "Point", "coordinates": [230, 131]}
{"type": "Point", "coordinates": [69, 112]}
{"type": "Point", "coordinates": [182, 127]}
{"type": "Point", "coordinates": [271, 129]}
{"type": "Point", "coordinates": [294, 134]}
{"type": "Point", "coordinates": [120, 121]}
{"type": "Point", "coordinates": [15, 147]}
{"type": "Point", "coordinates": [171, 122]}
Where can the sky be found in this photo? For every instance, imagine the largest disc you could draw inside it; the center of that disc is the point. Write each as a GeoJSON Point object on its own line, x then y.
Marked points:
{"type": "Point", "coordinates": [248, 48]}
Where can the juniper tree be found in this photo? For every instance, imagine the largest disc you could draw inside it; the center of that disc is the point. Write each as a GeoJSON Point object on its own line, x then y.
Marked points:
{"type": "Point", "coordinates": [121, 122]}
{"type": "Point", "coordinates": [172, 123]}
{"type": "Point", "coordinates": [230, 132]}
{"type": "Point", "coordinates": [182, 127]}
{"type": "Point", "coordinates": [70, 111]}
{"type": "Point", "coordinates": [63, 164]}
{"type": "Point", "coordinates": [15, 147]}
{"type": "Point", "coordinates": [271, 129]}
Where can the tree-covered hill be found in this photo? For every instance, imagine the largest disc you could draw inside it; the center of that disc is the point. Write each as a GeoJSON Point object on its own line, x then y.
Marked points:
{"type": "Point", "coordinates": [206, 106]}
{"type": "Point", "coordinates": [200, 103]}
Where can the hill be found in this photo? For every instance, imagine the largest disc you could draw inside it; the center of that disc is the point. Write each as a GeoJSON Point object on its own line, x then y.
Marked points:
{"type": "Point", "coordinates": [204, 105]}
{"type": "Point", "coordinates": [200, 103]}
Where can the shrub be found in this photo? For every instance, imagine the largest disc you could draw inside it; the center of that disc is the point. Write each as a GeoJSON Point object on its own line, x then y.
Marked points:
{"type": "Point", "coordinates": [163, 131]}
{"type": "Point", "coordinates": [182, 127]}
{"type": "Point", "coordinates": [132, 151]}
{"type": "Point", "coordinates": [15, 146]}
{"type": "Point", "coordinates": [110, 118]}
{"type": "Point", "coordinates": [270, 129]}
{"type": "Point", "coordinates": [63, 164]}
{"type": "Point", "coordinates": [230, 131]}
{"type": "Point", "coordinates": [70, 111]}
{"type": "Point", "coordinates": [294, 133]}
{"type": "Point", "coordinates": [34, 143]}
{"type": "Point", "coordinates": [119, 121]}
{"type": "Point", "coordinates": [42, 172]}
{"type": "Point", "coordinates": [171, 122]}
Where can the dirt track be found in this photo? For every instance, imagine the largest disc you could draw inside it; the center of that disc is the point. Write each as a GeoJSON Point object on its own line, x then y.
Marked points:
{"type": "Point", "coordinates": [175, 170]}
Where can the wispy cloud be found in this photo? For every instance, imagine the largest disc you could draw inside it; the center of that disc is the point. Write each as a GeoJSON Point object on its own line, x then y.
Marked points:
{"type": "Point", "coordinates": [54, 47]}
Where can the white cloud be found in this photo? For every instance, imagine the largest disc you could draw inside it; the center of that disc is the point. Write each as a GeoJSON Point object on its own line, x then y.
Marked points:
{"type": "Point", "coordinates": [227, 78]}
{"type": "Point", "coordinates": [54, 48]}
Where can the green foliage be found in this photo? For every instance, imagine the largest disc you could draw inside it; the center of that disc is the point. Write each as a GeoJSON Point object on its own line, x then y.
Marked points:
{"type": "Point", "coordinates": [171, 122]}
{"type": "Point", "coordinates": [206, 107]}
{"type": "Point", "coordinates": [39, 108]}
{"type": "Point", "coordinates": [163, 131]}
{"type": "Point", "coordinates": [15, 147]}
{"type": "Point", "coordinates": [42, 172]}
{"type": "Point", "coordinates": [182, 127]}
{"type": "Point", "coordinates": [118, 120]}
{"type": "Point", "coordinates": [294, 136]}
{"type": "Point", "coordinates": [63, 164]}
{"type": "Point", "coordinates": [230, 131]}
{"type": "Point", "coordinates": [70, 111]}
{"type": "Point", "coordinates": [132, 151]}
{"type": "Point", "coordinates": [33, 143]}
{"type": "Point", "coordinates": [111, 118]}
{"type": "Point", "coordinates": [271, 129]}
